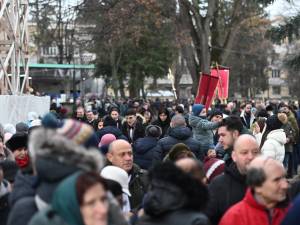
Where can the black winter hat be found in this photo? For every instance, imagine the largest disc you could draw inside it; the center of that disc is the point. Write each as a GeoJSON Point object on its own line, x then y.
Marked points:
{"type": "Point", "coordinates": [153, 131]}
{"type": "Point", "coordinates": [215, 113]}
{"type": "Point", "coordinates": [18, 140]}
{"type": "Point", "coordinates": [273, 123]}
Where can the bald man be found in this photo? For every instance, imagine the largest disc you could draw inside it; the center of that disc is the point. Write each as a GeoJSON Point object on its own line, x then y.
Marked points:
{"type": "Point", "coordinates": [230, 187]}
{"type": "Point", "coordinates": [120, 154]}
{"type": "Point", "coordinates": [266, 200]}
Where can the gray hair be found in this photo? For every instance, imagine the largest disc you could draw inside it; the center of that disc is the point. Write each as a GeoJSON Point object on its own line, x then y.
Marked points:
{"type": "Point", "coordinates": [178, 121]}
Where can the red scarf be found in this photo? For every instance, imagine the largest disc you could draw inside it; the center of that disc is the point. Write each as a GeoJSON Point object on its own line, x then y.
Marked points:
{"type": "Point", "coordinates": [22, 162]}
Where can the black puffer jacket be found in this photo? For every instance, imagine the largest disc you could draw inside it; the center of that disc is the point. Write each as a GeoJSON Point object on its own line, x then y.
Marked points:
{"type": "Point", "coordinates": [110, 130]}
{"type": "Point", "coordinates": [174, 198]}
{"type": "Point", "coordinates": [177, 135]}
{"type": "Point", "coordinates": [143, 151]}
{"type": "Point", "coordinates": [225, 190]}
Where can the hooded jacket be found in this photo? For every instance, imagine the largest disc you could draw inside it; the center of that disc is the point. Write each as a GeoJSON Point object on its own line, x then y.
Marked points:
{"type": "Point", "coordinates": [52, 152]}
{"type": "Point", "coordinates": [174, 198]}
{"type": "Point", "coordinates": [143, 151]}
{"type": "Point", "coordinates": [203, 130]}
{"type": "Point", "coordinates": [177, 135]}
{"type": "Point", "coordinates": [274, 145]}
{"type": "Point", "coordinates": [65, 209]}
{"type": "Point", "coordinates": [225, 190]}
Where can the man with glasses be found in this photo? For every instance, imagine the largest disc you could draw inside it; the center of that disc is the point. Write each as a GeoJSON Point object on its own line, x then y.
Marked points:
{"type": "Point", "coordinates": [132, 128]}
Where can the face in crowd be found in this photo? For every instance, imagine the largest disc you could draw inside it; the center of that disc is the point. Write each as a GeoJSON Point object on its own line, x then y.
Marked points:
{"type": "Point", "coordinates": [248, 108]}
{"type": "Point", "coordinates": [80, 112]}
{"type": "Point", "coordinates": [89, 115]}
{"type": "Point", "coordinates": [114, 115]}
{"type": "Point", "coordinates": [131, 119]}
{"type": "Point", "coordinates": [163, 117]}
{"type": "Point", "coordinates": [227, 137]}
{"type": "Point", "coordinates": [120, 155]}
{"type": "Point", "coordinates": [244, 151]}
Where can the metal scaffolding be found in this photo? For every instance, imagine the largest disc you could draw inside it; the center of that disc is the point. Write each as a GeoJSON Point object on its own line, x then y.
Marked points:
{"type": "Point", "coordinates": [14, 47]}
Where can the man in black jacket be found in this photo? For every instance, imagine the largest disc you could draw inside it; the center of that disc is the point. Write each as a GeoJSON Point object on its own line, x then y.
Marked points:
{"type": "Point", "coordinates": [133, 127]}
{"type": "Point", "coordinates": [178, 133]}
{"type": "Point", "coordinates": [230, 187]}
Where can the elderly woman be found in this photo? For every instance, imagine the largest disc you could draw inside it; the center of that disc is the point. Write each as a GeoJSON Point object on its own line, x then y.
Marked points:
{"type": "Point", "coordinates": [81, 199]}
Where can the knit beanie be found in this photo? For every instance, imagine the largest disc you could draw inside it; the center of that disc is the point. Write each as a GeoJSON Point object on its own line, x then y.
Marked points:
{"type": "Point", "coordinates": [107, 139]}
{"type": "Point", "coordinates": [213, 167]}
{"type": "Point", "coordinates": [273, 123]}
{"type": "Point", "coordinates": [197, 108]}
{"type": "Point", "coordinates": [153, 131]}
{"type": "Point", "coordinates": [18, 140]}
{"type": "Point", "coordinates": [215, 113]}
{"type": "Point", "coordinates": [178, 150]}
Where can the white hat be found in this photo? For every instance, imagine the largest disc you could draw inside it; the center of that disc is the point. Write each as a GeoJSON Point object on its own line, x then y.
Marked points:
{"type": "Point", "coordinates": [117, 174]}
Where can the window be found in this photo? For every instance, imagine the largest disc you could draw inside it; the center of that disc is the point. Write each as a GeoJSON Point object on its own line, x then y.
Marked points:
{"type": "Point", "coordinates": [275, 73]}
{"type": "Point", "coordinates": [276, 90]}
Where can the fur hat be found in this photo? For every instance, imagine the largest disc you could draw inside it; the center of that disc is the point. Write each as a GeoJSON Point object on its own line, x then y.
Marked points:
{"type": "Point", "coordinates": [197, 108]}
{"type": "Point", "coordinates": [191, 189]}
{"type": "Point", "coordinates": [273, 123]}
{"type": "Point", "coordinates": [178, 150]}
{"type": "Point", "coordinates": [153, 131]}
{"type": "Point", "coordinates": [18, 140]}
{"type": "Point", "coordinates": [53, 146]}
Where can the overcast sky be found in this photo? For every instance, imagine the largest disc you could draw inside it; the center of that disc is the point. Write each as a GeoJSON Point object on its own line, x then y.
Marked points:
{"type": "Point", "coordinates": [281, 7]}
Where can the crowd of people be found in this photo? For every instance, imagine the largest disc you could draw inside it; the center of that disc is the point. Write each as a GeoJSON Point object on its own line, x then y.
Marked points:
{"type": "Point", "coordinates": [152, 163]}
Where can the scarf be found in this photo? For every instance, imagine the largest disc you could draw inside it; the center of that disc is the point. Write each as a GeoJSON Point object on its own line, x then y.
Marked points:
{"type": "Point", "coordinates": [22, 162]}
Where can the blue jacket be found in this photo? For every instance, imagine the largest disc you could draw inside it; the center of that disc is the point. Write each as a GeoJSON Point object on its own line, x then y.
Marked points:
{"type": "Point", "coordinates": [143, 151]}
{"type": "Point", "coordinates": [177, 135]}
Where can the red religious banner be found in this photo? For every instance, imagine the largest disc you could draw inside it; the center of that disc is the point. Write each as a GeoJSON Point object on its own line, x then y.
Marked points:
{"type": "Point", "coordinates": [206, 89]}
{"type": "Point", "coordinates": [223, 85]}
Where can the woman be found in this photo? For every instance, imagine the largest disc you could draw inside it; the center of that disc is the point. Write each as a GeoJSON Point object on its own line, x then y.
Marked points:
{"type": "Point", "coordinates": [81, 199]}
{"type": "Point", "coordinates": [17, 144]}
{"type": "Point", "coordinates": [163, 121]}
{"type": "Point", "coordinates": [274, 138]}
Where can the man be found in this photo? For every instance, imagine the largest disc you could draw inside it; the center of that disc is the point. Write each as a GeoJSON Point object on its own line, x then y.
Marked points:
{"type": "Point", "coordinates": [80, 114]}
{"type": "Point", "coordinates": [178, 133]}
{"type": "Point", "coordinates": [132, 128]}
{"type": "Point", "coordinates": [120, 154]}
{"type": "Point", "coordinates": [230, 187]}
{"type": "Point", "coordinates": [247, 117]}
{"type": "Point", "coordinates": [90, 119]}
{"type": "Point", "coordinates": [266, 199]}
{"type": "Point", "coordinates": [229, 130]}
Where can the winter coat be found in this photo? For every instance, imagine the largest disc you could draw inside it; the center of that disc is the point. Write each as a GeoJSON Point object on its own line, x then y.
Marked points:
{"type": "Point", "coordinates": [23, 187]}
{"type": "Point", "coordinates": [203, 130]}
{"type": "Point", "coordinates": [65, 209]}
{"type": "Point", "coordinates": [290, 134]}
{"type": "Point", "coordinates": [4, 206]}
{"type": "Point", "coordinates": [163, 125]}
{"type": "Point", "coordinates": [110, 130]}
{"type": "Point", "coordinates": [244, 120]}
{"type": "Point", "coordinates": [138, 186]}
{"type": "Point", "coordinates": [274, 145]}
{"type": "Point", "coordinates": [225, 190]}
{"type": "Point", "coordinates": [293, 215]}
{"type": "Point", "coordinates": [138, 131]}
{"type": "Point", "coordinates": [174, 198]}
{"type": "Point", "coordinates": [250, 212]}
{"type": "Point", "coordinates": [72, 158]}
{"type": "Point", "coordinates": [176, 218]}
{"type": "Point", "coordinates": [177, 135]}
{"type": "Point", "coordinates": [143, 151]}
